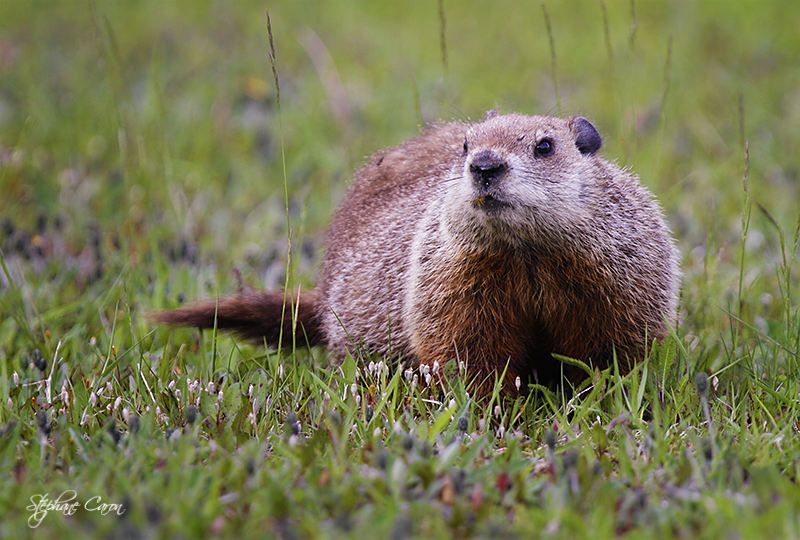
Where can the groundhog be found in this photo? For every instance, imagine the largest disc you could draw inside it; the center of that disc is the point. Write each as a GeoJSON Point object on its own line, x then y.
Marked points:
{"type": "Point", "coordinates": [495, 243]}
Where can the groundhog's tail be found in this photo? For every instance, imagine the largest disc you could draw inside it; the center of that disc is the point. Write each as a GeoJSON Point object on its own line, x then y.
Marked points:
{"type": "Point", "coordinates": [253, 315]}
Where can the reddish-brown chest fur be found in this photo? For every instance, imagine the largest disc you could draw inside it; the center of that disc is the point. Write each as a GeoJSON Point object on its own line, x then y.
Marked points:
{"type": "Point", "coordinates": [480, 309]}
{"type": "Point", "coordinates": [493, 309]}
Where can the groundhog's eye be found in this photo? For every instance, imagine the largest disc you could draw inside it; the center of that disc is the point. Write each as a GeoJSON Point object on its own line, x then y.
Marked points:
{"type": "Point", "coordinates": [544, 148]}
{"type": "Point", "coordinates": [466, 148]}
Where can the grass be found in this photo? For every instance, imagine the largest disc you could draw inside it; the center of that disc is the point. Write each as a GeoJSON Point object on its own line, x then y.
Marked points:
{"type": "Point", "coordinates": [144, 162]}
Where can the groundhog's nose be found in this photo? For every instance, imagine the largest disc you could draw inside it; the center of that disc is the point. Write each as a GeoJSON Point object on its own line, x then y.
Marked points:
{"type": "Point", "coordinates": [487, 167]}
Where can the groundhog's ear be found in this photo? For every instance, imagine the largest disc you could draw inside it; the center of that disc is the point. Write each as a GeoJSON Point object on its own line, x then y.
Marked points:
{"type": "Point", "coordinates": [587, 139]}
{"type": "Point", "coordinates": [491, 113]}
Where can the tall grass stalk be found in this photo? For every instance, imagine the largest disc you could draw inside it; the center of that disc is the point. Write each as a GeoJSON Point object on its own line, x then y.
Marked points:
{"type": "Point", "coordinates": [442, 34]}
{"type": "Point", "coordinates": [745, 228]}
{"type": "Point", "coordinates": [273, 60]}
{"type": "Point", "coordinates": [553, 62]}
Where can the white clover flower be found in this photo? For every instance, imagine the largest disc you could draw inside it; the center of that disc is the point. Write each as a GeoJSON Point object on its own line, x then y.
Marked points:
{"type": "Point", "coordinates": [117, 402]}
{"type": "Point", "coordinates": [92, 399]}
{"type": "Point", "coordinates": [517, 382]}
{"type": "Point", "coordinates": [16, 378]}
{"type": "Point", "coordinates": [496, 411]}
{"type": "Point", "coordinates": [353, 389]}
{"type": "Point", "coordinates": [435, 367]}
{"type": "Point", "coordinates": [171, 384]}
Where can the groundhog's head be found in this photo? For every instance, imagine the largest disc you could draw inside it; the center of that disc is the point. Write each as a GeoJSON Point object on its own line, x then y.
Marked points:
{"type": "Point", "coordinates": [524, 176]}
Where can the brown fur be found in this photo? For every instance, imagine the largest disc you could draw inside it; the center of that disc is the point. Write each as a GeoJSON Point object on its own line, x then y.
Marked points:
{"type": "Point", "coordinates": [252, 315]}
{"type": "Point", "coordinates": [579, 262]}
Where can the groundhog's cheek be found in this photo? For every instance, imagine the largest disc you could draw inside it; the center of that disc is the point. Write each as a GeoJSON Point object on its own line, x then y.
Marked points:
{"type": "Point", "coordinates": [461, 196]}
{"type": "Point", "coordinates": [524, 194]}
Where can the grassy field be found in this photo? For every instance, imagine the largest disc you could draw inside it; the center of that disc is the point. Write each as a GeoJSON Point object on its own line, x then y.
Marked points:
{"type": "Point", "coordinates": [145, 161]}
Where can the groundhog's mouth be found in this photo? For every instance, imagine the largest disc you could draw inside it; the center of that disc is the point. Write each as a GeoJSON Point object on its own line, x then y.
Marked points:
{"type": "Point", "coordinates": [489, 203]}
